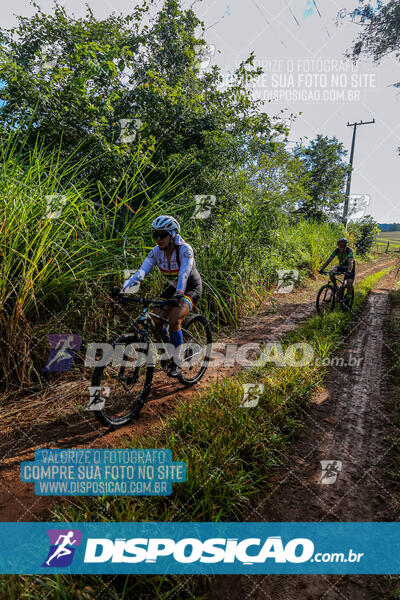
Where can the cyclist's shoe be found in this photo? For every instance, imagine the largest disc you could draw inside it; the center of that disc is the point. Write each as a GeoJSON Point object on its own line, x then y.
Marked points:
{"type": "Point", "coordinates": [165, 364]}
{"type": "Point", "coordinates": [173, 370]}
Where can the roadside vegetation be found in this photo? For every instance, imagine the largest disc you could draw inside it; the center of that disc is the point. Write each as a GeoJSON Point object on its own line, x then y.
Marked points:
{"type": "Point", "coordinates": [100, 132]}
{"type": "Point", "coordinates": [231, 453]}
{"type": "Point", "coordinates": [56, 271]}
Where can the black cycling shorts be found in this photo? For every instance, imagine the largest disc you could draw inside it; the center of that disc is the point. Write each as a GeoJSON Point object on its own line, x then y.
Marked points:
{"type": "Point", "coordinates": [192, 294]}
{"type": "Point", "coordinates": [340, 270]}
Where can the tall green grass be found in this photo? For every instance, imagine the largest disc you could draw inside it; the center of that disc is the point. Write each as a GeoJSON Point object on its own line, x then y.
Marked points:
{"type": "Point", "coordinates": [49, 258]}
{"type": "Point", "coordinates": [308, 244]}
{"type": "Point", "coordinates": [55, 272]}
{"type": "Point", "coordinates": [240, 258]}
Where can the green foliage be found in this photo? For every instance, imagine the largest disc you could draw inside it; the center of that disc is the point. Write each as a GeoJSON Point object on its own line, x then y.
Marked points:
{"type": "Point", "coordinates": [365, 232]}
{"type": "Point", "coordinates": [326, 172]}
{"type": "Point", "coordinates": [380, 34]}
{"type": "Point", "coordinates": [73, 81]}
{"type": "Point", "coordinates": [281, 176]}
{"type": "Point", "coordinates": [110, 91]}
{"type": "Point", "coordinates": [58, 270]}
{"type": "Point", "coordinates": [306, 244]}
{"type": "Point", "coordinates": [47, 261]}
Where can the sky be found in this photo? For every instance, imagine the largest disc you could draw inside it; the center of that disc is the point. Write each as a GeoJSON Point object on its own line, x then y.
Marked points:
{"type": "Point", "coordinates": [301, 45]}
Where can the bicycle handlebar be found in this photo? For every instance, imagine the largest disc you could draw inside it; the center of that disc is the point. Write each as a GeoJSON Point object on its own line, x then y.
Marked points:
{"type": "Point", "coordinates": [336, 275]}
{"type": "Point", "coordinates": [126, 298]}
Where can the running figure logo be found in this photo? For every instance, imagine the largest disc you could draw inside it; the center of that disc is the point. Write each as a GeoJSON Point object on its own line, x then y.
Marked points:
{"type": "Point", "coordinates": [330, 471]}
{"type": "Point", "coordinates": [60, 552]}
{"type": "Point", "coordinates": [61, 357]}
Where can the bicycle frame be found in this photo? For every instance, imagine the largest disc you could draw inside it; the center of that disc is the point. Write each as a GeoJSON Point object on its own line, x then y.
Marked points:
{"type": "Point", "coordinates": [339, 285]}
{"type": "Point", "coordinates": [141, 326]}
{"type": "Point", "coordinates": [337, 281]}
{"type": "Point", "coordinates": [145, 319]}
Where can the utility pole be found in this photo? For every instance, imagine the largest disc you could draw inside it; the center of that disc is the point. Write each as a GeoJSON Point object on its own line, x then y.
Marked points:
{"type": "Point", "coordinates": [353, 141]}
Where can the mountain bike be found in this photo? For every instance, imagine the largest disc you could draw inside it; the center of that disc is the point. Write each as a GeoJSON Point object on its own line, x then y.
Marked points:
{"type": "Point", "coordinates": [120, 389]}
{"type": "Point", "coordinates": [332, 292]}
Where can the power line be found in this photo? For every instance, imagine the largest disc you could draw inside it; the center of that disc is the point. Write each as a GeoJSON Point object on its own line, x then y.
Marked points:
{"type": "Point", "coordinates": [326, 29]}
{"type": "Point", "coordinates": [292, 13]}
{"type": "Point", "coordinates": [315, 4]}
{"type": "Point", "coordinates": [268, 22]}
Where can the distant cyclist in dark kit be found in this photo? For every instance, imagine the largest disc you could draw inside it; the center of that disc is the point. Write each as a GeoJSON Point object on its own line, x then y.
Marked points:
{"type": "Point", "coordinates": [346, 264]}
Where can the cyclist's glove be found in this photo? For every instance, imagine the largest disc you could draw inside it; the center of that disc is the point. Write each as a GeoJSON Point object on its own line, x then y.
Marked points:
{"type": "Point", "coordinates": [176, 298]}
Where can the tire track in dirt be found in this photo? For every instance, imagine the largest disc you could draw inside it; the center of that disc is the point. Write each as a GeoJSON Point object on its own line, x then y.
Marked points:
{"type": "Point", "coordinates": [73, 430]}
{"type": "Point", "coordinates": [348, 422]}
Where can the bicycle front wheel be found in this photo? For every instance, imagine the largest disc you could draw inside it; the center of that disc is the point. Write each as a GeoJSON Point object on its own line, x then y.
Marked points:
{"type": "Point", "coordinates": [325, 300]}
{"type": "Point", "coordinates": [120, 389]}
{"type": "Point", "coordinates": [347, 301]}
{"type": "Point", "coordinates": [196, 349]}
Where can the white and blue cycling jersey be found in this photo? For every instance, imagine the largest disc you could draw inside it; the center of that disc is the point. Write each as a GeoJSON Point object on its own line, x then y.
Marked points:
{"type": "Point", "coordinates": [180, 271]}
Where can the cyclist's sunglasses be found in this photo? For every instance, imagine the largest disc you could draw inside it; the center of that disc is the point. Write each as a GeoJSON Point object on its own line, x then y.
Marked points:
{"type": "Point", "coordinates": [160, 233]}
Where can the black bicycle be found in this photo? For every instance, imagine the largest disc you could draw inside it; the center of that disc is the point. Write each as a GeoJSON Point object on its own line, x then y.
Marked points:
{"type": "Point", "coordinates": [332, 292]}
{"type": "Point", "coordinates": [120, 389]}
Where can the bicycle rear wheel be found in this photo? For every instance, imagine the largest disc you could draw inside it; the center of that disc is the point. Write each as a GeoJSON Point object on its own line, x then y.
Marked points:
{"type": "Point", "coordinates": [120, 390]}
{"type": "Point", "coordinates": [325, 299]}
{"type": "Point", "coordinates": [196, 349]}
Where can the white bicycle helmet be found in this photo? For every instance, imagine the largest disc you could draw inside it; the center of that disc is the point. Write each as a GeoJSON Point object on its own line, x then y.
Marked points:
{"type": "Point", "coordinates": [166, 223]}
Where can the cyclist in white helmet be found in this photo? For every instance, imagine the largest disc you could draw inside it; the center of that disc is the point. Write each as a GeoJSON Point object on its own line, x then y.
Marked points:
{"type": "Point", "coordinates": [174, 257]}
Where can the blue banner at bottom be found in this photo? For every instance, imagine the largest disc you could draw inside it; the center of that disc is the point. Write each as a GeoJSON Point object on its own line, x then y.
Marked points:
{"type": "Point", "coordinates": [200, 548]}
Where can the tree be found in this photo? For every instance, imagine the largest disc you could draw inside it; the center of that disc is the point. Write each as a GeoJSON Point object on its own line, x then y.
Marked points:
{"type": "Point", "coordinates": [380, 34]}
{"type": "Point", "coordinates": [365, 232]}
{"type": "Point", "coordinates": [281, 177]}
{"type": "Point", "coordinates": [104, 88]}
{"type": "Point", "coordinates": [326, 171]}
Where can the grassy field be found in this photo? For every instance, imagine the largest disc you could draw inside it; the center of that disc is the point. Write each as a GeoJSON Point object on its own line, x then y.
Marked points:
{"type": "Point", "coordinates": [389, 236]}
{"type": "Point", "coordinates": [385, 237]}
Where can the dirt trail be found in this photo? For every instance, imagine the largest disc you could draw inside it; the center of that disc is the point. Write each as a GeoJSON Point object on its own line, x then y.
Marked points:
{"type": "Point", "coordinates": [348, 424]}
{"type": "Point", "coordinates": [43, 421]}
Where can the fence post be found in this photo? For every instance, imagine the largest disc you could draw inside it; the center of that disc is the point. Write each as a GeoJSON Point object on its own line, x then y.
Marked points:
{"type": "Point", "coordinates": [387, 248]}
